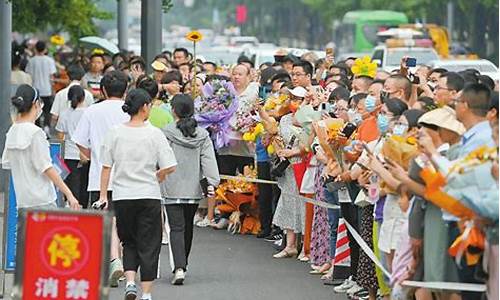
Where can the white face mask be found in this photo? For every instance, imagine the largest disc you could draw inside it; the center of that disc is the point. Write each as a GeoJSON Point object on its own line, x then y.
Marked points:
{"type": "Point", "coordinates": [40, 111]}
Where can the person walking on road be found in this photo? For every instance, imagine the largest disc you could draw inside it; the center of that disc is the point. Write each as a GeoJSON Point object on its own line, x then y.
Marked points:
{"type": "Point", "coordinates": [182, 191]}
{"type": "Point", "coordinates": [27, 155]}
{"type": "Point", "coordinates": [135, 151]}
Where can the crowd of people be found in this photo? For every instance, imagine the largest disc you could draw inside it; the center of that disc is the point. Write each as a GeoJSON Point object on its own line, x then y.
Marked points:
{"type": "Point", "coordinates": [407, 158]}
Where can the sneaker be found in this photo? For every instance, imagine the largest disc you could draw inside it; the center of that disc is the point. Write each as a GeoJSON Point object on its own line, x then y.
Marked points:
{"type": "Point", "coordinates": [353, 290]}
{"type": "Point", "coordinates": [344, 287]}
{"type": "Point", "coordinates": [205, 223]}
{"type": "Point", "coordinates": [115, 273]}
{"type": "Point", "coordinates": [222, 224]}
{"type": "Point", "coordinates": [178, 278]}
{"type": "Point", "coordinates": [197, 218]}
{"type": "Point", "coordinates": [131, 292]}
{"type": "Point", "coordinates": [274, 238]}
{"type": "Point", "coordinates": [263, 234]}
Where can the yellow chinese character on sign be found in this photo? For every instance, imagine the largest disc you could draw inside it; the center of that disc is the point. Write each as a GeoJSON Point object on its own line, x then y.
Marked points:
{"type": "Point", "coordinates": [64, 248]}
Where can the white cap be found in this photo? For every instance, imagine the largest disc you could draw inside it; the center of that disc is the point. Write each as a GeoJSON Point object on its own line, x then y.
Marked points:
{"type": "Point", "coordinates": [298, 92]}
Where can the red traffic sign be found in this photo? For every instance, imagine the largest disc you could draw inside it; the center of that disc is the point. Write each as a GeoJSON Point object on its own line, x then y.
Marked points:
{"type": "Point", "coordinates": [62, 255]}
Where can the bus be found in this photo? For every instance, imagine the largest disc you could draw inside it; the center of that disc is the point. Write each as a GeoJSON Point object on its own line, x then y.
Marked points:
{"type": "Point", "coordinates": [358, 31]}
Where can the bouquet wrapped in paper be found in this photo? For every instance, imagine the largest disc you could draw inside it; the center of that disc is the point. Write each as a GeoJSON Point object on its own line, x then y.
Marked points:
{"type": "Point", "coordinates": [214, 108]}
{"type": "Point", "coordinates": [400, 150]}
{"type": "Point", "coordinates": [278, 104]}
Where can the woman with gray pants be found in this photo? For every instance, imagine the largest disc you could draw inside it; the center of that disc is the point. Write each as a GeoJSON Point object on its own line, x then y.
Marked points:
{"type": "Point", "coordinates": [182, 191]}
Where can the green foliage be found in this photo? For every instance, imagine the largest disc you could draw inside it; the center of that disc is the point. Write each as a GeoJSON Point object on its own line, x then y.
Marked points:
{"type": "Point", "coordinates": [166, 5]}
{"type": "Point", "coordinates": [74, 16]}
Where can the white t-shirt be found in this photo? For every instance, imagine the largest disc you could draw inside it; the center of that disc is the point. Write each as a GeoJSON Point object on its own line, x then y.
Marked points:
{"type": "Point", "coordinates": [94, 124]}
{"type": "Point", "coordinates": [134, 153]}
{"type": "Point", "coordinates": [67, 124]}
{"type": "Point", "coordinates": [40, 67]}
{"type": "Point", "coordinates": [61, 102]}
{"type": "Point", "coordinates": [27, 155]}
{"type": "Point", "coordinates": [92, 82]}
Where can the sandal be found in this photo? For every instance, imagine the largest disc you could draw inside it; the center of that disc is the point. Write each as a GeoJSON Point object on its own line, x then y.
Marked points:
{"type": "Point", "coordinates": [286, 254]}
{"type": "Point", "coordinates": [323, 270]}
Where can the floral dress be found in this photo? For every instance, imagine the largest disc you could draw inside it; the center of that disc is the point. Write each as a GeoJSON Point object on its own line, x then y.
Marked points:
{"type": "Point", "coordinates": [320, 238]}
{"type": "Point", "coordinates": [290, 211]}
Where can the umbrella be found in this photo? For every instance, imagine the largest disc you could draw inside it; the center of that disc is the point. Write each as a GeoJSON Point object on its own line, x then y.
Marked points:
{"type": "Point", "coordinates": [98, 42]}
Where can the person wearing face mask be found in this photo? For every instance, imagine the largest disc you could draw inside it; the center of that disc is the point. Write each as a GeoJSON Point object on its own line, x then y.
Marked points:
{"type": "Point", "coordinates": [367, 129]}
{"type": "Point", "coordinates": [397, 86]}
{"type": "Point", "coordinates": [27, 155]}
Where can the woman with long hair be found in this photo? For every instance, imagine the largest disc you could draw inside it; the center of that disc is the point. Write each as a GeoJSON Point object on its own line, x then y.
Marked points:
{"type": "Point", "coordinates": [197, 167]}
{"type": "Point", "coordinates": [76, 161]}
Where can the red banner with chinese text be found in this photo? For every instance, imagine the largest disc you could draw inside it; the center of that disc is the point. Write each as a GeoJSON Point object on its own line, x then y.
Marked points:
{"type": "Point", "coordinates": [62, 255]}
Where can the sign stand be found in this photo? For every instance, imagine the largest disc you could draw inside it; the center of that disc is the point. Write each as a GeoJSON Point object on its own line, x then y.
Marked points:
{"type": "Point", "coordinates": [58, 255]}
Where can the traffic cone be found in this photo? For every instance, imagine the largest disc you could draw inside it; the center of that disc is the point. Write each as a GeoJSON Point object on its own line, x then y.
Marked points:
{"type": "Point", "coordinates": [342, 262]}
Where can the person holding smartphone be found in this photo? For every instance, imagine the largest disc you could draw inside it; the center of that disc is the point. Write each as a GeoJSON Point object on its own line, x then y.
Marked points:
{"type": "Point", "coordinates": [140, 157]}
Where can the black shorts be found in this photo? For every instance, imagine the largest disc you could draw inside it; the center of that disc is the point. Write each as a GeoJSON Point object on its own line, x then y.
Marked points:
{"type": "Point", "coordinates": [95, 195]}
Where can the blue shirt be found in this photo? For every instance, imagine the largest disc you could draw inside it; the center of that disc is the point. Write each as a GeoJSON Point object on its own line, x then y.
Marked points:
{"type": "Point", "coordinates": [477, 136]}
{"type": "Point", "coordinates": [261, 151]}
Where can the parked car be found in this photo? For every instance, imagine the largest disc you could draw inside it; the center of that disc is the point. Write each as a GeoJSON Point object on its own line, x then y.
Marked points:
{"type": "Point", "coordinates": [484, 66]}
{"type": "Point", "coordinates": [389, 58]}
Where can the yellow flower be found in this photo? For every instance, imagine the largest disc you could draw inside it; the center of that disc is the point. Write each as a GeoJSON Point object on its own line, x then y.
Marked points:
{"type": "Point", "coordinates": [98, 51]}
{"type": "Point", "coordinates": [57, 40]}
{"type": "Point", "coordinates": [247, 137]}
{"type": "Point", "coordinates": [270, 149]}
{"type": "Point", "coordinates": [259, 128]}
{"type": "Point", "coordinates": [194, 36]}
{"type": "Point", "coordinates": [364, 67]}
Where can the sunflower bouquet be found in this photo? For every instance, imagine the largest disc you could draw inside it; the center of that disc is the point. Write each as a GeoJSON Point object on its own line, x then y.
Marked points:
{"type": "Point", "coordinates": [214, 108]}
{"type": "Point", "coordinates": [364, 67]}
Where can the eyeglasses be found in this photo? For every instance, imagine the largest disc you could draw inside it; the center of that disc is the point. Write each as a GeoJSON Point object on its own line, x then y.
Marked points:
{"type": "Point", "coordinates": [297, 74]}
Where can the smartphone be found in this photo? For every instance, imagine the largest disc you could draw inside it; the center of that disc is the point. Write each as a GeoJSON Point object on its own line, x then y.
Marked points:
{"type": "Point", "coordinates": [349, 129]}
{"type": "Point", "coordinates": [411, 62]}
{"type": "Point", "coordinates": [324, 107]}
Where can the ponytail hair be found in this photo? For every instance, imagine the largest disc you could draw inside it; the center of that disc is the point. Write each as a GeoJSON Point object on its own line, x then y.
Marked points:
{"type": "Point", "coordinates": [183, 107]}
{"type": "Point", "coordinates": [76, 95]}
{"type": "Point", "coordinates": [24, 98]}
{"type": "Point", "coordinates": [135, 100]}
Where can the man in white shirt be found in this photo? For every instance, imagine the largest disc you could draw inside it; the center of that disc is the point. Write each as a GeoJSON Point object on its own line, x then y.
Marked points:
{"type": "Point", "coordinates": [61, 103]}
{"type": "Point", "coordinates": [42, 69]}
{"type": "Point", "coordinates": [94, 124]}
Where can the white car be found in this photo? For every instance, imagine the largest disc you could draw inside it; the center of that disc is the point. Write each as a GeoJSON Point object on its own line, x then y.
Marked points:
{"type": "Point", "coordinates": [484, 66]}
{"type": "Point", "coordinates": [389, 59]}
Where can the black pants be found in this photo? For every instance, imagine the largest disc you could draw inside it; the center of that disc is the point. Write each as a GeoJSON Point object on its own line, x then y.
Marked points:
{"type": "Point", "coordinates": [77, 181]}
{"type": "Point", "coordinates": [180, 220]}
{"type": "Point", "coordinates": [140, 230]}
{"type": "Point", "coordinates": [46, 116]}
{"type": "Point", "coordinates": [350, 213]}
{"type": "Point", "coordinates": [229, 164]}
{"type": "Point", "coordinates": [265, 197]}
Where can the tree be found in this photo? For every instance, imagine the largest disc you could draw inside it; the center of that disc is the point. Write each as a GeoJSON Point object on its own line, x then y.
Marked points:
{"type": "Point", "coordinates": [74, 16]}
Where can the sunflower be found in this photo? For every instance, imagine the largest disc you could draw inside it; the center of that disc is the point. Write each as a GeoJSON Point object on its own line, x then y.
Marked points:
{"type": "Point", "coordinates": [57, 40]}
{"type": "Point", "coordinates": [97, 51]}
{"type": "Point", "coordinates": [194, 36]}
{"type": "Point", "coordinates": [364, 67]}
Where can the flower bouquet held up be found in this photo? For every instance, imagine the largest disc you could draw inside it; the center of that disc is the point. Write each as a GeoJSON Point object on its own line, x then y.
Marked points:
{"type": "Point", "coordinates": [214, 108]}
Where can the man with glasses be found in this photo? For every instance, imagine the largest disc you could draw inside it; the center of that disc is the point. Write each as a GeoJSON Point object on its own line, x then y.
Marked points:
{"type": "Point", "coordinates": [448, 87]}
